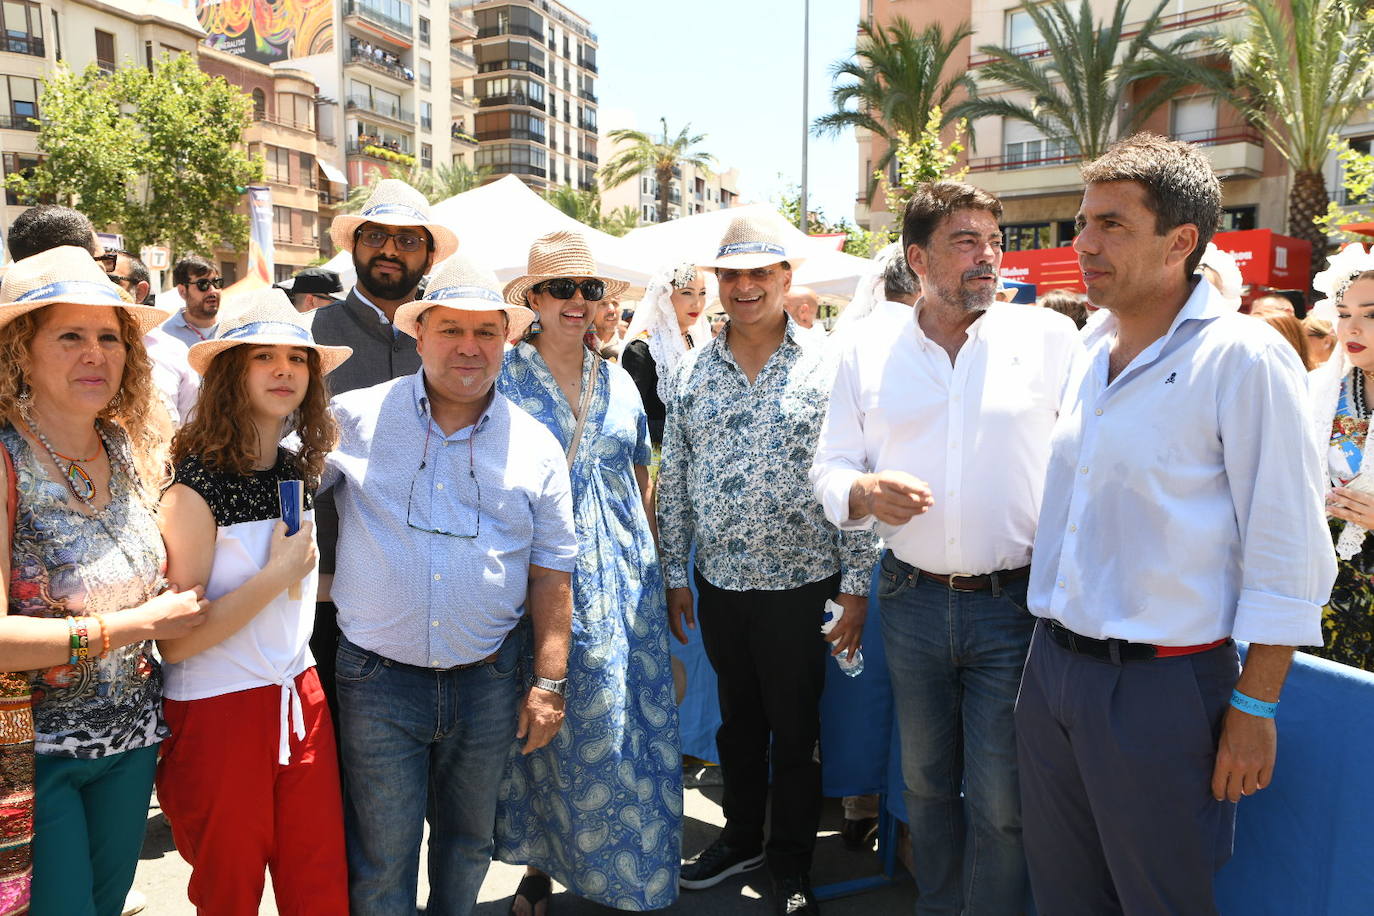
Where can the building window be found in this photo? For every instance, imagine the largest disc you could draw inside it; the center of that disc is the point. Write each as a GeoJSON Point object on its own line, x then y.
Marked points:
{"type": "Point", "coordinates": [229, 270]}
{"type": "Point", "coordinates": [277, 164]}
{"type": "Point", "coordinates": [509, 125]}
{"type": "Point", "coordinates": [1359, 145]}
{"type": "Point", "coordinates": [21, 27]}
{"type": "Point", "coordinates": [1022, 35]}
{"type": "Point", "coordinates": [1193, 120]}
{"type": "Point", "coordinates": [23, 103]}
{"type": "Point", "coordinates": [1238, 219]}
{"type": "Point", "coordinates": [426, 116]}
{"type": "Point", "coordinates": [1024, 236]}
{"type": "Point", "coordinates": [105, 51]}
{"type": "Point", "coordinates": [281, 224]}
{"type": "Point", "coordinates": [282, 272]}
{"type": "Point", "coordinates": [516, 158]}
{"type": "Point", "coordinates": [259, 104]}
{"type": "Point", "coordinates": [424, 32]}
{"type": "Point", "coordinates": [425, 74]}
{"type": "Point", "coordinates": [295, 110]}
{"type": "Point", "coordinates": [427, 155]}
{"type": "Point", "coordinates": [308, 171]}
{"type": "Point", "coordinates": [19, 164]}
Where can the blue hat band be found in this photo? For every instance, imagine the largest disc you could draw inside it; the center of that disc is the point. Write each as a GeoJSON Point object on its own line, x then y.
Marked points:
{"type": "Point", "coordinates": [278, 328]}
{"type": "Point", "coordinates": [396, 210]}
{"type": "Point", "coordinates": [751, 248]}
{"type": "Point", "coordinates": [463, 292]}
{"type": "Point", "coordinates": [91, 288]}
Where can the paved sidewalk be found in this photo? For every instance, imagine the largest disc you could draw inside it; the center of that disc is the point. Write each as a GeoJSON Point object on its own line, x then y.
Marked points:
{"type": "Point", "coordinates": [162, 875]}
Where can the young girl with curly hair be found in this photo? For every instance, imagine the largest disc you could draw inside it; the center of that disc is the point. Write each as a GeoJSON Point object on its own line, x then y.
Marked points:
{"type": "Point", "coordinates": [249, 778]}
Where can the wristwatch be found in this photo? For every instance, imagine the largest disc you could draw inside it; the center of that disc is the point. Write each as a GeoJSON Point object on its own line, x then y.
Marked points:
{"type": "Point", "coordinates": [559, 686]}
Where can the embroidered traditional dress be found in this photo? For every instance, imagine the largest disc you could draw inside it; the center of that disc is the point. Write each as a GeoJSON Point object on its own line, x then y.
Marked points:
{"type": "Point", "coordinates": [600, 808]}
{"type": "Point", "coordinates": [1348, 620]}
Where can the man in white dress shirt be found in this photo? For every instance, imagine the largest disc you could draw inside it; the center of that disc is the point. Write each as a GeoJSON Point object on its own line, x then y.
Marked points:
{"type": "Point", "coordinates": [1182, 511]}
{"type": "Point", "coordinates": [939, 430]}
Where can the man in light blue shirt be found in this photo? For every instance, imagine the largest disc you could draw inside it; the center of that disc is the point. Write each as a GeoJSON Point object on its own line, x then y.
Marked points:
{"type": "Point", "coordinates": [1182, 511]}
{"type": "Point", "coordinates": [455, 527]}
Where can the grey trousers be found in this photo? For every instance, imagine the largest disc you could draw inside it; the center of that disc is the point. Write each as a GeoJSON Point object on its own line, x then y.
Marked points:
{"type": "Point", "coordinates": [1116, 768]}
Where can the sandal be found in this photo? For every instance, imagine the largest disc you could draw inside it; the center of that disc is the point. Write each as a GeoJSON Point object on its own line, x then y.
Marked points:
{"type": "Point", "coordinates": [536, 890]}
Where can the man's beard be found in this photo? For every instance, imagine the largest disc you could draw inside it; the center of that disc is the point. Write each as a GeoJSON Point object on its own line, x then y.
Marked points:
{"type": "Point", "coordinates": [970, 300]}
{"type": "Point", "coordinates": [402, 287]}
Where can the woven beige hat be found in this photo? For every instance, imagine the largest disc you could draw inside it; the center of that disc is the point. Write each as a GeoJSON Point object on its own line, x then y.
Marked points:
{"type": "Point", "coordinates": [753, 241]}
{"type": "Point", "coordinates": [66, 275]}
{"type": "Point", "coordinates": [394, 203]}
{"type": "Point", "coordinates": [263, 317]}
{"type": "Point", "coordinates": [459, 283]}
{"type": "Point", "coordinates": [560, 254]}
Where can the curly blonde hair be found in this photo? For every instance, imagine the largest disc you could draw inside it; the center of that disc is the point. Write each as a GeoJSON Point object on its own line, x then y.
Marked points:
{"type": "Point", "coordinates": [133, 409]}
{"type": "Point", "coordinates": [223, 412]}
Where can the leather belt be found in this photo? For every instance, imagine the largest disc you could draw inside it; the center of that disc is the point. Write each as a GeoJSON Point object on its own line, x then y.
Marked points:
{"type": "Point", "coordinates": [959, 582]}
{"type": "Point", "coordinates": [477, 664]}
{"type": "Point", "coordinates": [1119, 650]}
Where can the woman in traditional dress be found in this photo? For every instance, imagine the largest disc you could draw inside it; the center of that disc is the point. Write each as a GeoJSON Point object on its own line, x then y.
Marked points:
{"type": "Point", "coordinates": [84, 586]}
{"type": "Point", "coordinates": [249, 778]}
{"type": "Point", "coordinates": [600, 808]}
{"type": "Point", "coordinates": [669, 321]}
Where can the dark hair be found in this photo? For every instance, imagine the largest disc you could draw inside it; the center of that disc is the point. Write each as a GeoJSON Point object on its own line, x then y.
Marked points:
{"type": "Point", "coordinates": [934, 200]}
{"type": "Point", "coordinates": [898, 281]}
{"type": "Point", "coordinates": [49, 226]}
{"type": "Point", "coordinates": [138, 271]}
{"type": "Point", "coordinates": [1180, 186]}
{"type": "Point", "coordinates": [191, 267]}
{"type": "Point", "coordinates": [1066, 302]}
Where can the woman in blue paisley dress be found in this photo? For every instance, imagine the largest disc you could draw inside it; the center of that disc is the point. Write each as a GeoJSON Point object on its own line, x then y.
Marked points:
{"type": "Point", "coordinates": [600, 808]}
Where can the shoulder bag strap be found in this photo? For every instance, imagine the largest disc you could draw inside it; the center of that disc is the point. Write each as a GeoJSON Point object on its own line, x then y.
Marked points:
{"type": "Point", "coordinates": [583, 408]}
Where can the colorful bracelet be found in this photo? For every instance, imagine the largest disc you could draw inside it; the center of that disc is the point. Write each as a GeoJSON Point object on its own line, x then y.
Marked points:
{"type": "Point", "coordinates": [104, 635]}
{"type": "Point", "coordinates": [1254, 707]}
{"type": "Point", "coordinates": [79, 639]}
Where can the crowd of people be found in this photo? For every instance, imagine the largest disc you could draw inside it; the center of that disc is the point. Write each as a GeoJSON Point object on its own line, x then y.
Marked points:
{"type": "Point", "coordinates": [330, 566]}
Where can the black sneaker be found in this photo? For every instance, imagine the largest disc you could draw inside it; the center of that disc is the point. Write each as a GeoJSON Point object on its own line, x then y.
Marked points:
{"type": "Point", "coordinates": [792, 896]}
{"type": "Point", "coordinates": [715, 863]}
{"type": "Point", "coordinates": [859, 833]}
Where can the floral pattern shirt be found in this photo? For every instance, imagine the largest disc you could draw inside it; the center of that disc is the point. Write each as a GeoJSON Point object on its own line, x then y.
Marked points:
{"type": "Point", "coordinates": [734, 473]}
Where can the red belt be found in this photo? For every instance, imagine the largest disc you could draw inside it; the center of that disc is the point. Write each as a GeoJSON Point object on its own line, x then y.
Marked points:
{"type": "Point", "coordinates": [1168, 651]}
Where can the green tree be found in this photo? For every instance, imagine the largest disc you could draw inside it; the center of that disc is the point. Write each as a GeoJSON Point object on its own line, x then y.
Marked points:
{"type": "Point", "coordinates": [1357, 176]}
{"type": "Point", "coordinates": [893, 80]}
{"type": "Point", "coordinates": [158, 154]}
{"type": "Point", "coordinates": [436, 184]}
{"type": "Point", "coordinates": [858, 241]}
{"type": "Point", "coordinates": [1083, 80]}
{"type": "Point", "coordinates": [1297, 72]}
{"type": "Point", "coordinates": [924, 157]}
{"type": "Point", "coordinates": [663, 159]}
{"type": "Point", "coordinates": [585, 207]}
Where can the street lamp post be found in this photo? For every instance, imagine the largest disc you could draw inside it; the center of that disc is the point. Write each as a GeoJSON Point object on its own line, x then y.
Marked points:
{"type": "Point", "coordinates": [803, 223]}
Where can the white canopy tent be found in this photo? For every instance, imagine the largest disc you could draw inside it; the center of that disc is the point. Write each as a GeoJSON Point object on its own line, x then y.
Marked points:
{"type": "Point", "coordinates": [496, 223]}
{"type": "Point", "coordinates": [696, 238]}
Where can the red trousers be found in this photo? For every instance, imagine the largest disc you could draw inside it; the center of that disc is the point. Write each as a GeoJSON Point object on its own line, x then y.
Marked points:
{"type": "Point", "coordinates": [235, 811]}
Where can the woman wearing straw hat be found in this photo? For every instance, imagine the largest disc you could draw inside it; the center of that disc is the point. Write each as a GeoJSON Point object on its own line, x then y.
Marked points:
{"type": "Point", "coordinates": [249, 777]}
{"type": "Point", "coordinates": [83, 576]}
{"type": "Point", "coordinates": [670, 320]}
{"type": "Point", "coordinates": [620, 744]}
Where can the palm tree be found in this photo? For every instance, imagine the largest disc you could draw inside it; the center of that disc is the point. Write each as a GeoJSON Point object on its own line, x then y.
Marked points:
{"type": "Point", "coordinates": [1297, 72]}
{"type": "Point", "coordinates": [894, 81]}
{"type": "Point", "coordinates": [1083, 77]}
{"type": "Point", "coordinates": [436, 184]}
{"type": "Point", "coordinates": [645, 155]}
{"type": "Point", "coordinates": [585, 207]}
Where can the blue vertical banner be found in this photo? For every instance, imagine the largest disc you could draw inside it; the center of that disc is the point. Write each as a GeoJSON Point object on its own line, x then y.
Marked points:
{"type": "Point", "coordinates": [261, 255]}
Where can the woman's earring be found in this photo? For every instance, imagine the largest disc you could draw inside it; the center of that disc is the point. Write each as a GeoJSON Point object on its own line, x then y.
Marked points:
{"type": "Point", "coordinates": [25, 394]}
{"type": "Point", "coordinates": [535, 326]}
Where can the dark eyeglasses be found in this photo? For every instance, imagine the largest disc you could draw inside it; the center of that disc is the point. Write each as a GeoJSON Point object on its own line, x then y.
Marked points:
{"type": "Point", "coordinates": [468, 518]}
{"type": "Point", "coordinates": [563, 288]}
{"type": "Point", "coordinates": [204, 284]}
{"type": "Point", "coordinates": [757, 274]}
{"type": "Point", "coordinates": [405, 241]}
{"type": "Point", "coordinates": [108, 260]}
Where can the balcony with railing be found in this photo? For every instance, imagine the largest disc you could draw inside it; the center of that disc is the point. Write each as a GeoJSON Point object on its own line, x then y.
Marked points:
{"type": "Point", "coordinates": [512, 98]}
{"type": "Point", "coordinates": [589, 96]}
{"type": "Point", "coordinates": [509, 28]}
{"type": "Point", "coordinates": [460, 18]}
{"type": "Point", "coordinates": [586, 125]}
{"type": "Point", "coordinates": [588, 156]}
{"type": "Point", "coordinates": [15, 122]}
{"type": "Point", "coordinates": [512, 133]}
{"type": "Point", "coordinates": [389, 25]}
{"type": "Point", "coordinates": [462, 58]}
{"type": "Point", "coordinates": [383, 109]}
{"type": "Point", "coordinates": [460, 135]}
{"type": "Point", "coordinates": [22, 44]}
{"type": "Point", "coordinates": [379, 149]}
{"type": "Point", "coordinates": [371, 61]}
{"type": "Point", "coordinates": [587, 64]}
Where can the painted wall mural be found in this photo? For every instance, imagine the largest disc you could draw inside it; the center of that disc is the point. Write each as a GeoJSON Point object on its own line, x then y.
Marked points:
{"type": "Point", "coordinates": [268, 30]}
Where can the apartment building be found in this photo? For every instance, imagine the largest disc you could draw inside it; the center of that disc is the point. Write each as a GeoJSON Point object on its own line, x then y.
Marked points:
{"type": "Point", "coordinates": [396, 72]}
{"type": "Point", "coordinates": [35, 35]}
{"type": "Point", "coordinates": [692, 190]}
{"type": "Point", "coordinates": [1037, 177]}
{"type": "Point", "coordinates": [535, 92]}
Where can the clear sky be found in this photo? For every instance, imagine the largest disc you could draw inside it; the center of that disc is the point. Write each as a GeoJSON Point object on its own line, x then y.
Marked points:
{"type": "Point", "coordinates": [733, 69]}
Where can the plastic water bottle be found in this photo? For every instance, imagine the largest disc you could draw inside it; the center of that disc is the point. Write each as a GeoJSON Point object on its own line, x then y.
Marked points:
{"type": "Point", "coordinates": [851, 664]}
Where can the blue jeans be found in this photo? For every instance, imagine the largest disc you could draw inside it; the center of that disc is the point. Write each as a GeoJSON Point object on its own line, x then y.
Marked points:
{"type": "Point", "coordinates": [420, 743]}
{"type": "Point", "coordinates": [956, 660]}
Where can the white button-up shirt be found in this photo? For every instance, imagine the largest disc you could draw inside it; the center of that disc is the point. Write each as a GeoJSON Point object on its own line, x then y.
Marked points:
{"type": "Point", "coordinates": [1184, 499]}
{"type": "Point", "coordinates": [977, 431]}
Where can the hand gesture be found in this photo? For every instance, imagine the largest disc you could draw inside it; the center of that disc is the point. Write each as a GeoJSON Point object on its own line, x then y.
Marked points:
{"type": "Point", "coordinates": [540, 718]}
{"type": "Point", "coordinates": [892, 497]}
{"type": "Point", "coordinates": [173, 613]}
{"type": "Point", "coordinates": [847, 635]}
{"type": "Point", "coordinates": [293, 555]}
{"type": "Point", "coordinates": [680, 611]}
{"type": "Point", "coordinates": [1352, 506]}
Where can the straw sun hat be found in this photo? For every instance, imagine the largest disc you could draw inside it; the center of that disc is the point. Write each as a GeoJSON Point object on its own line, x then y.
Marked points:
{"type": "Point", "coordinates": [264, 317]}
{"type": "Point", "coordinates": [560, 254]}
{"type": "Point", "coordinates": [394, 203]}
{"type": "Point", "coordinates": [753, 241]}
{"type": "Point", "coordinates": [459, 283]}
{"type": "Point", "coordinates": [66, 275]}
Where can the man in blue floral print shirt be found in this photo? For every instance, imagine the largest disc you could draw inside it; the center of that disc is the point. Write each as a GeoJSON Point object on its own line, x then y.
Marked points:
{"type": "Point", "coordinates": [744, 415]}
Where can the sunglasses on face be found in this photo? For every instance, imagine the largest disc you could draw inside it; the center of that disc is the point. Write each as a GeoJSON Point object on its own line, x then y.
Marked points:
{"type": "Point", "coordinates": [108, 260]}
{"type": "Point", "coordinates": [563, 288]}
{"type": "Point", "coordinates": [204, 283]}
{"type": "Point", "coordinates": [405, 241]}
{"type": "Point", "coordinates": [757, 274]}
